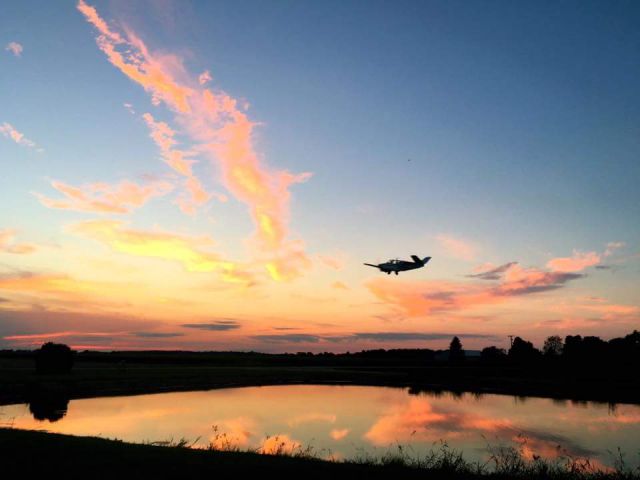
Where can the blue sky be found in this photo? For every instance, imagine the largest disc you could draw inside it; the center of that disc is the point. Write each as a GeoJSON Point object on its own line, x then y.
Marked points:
{"type": "Point", "coordinates": [521, 122]}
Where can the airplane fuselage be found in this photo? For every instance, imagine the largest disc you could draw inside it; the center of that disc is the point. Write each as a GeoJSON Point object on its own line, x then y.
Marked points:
{"type": "Point", "coordinates": [397, 266]}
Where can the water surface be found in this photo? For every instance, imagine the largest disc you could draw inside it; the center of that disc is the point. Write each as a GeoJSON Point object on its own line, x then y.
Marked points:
{"type": "Point", "coordinates": [347, 421]}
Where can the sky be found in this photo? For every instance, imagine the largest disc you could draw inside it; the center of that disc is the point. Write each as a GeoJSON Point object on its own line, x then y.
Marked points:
{"type": "Point", "coordinates": [213, 175]}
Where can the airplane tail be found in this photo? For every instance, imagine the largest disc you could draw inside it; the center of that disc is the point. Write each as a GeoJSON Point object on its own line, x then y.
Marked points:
{"type": "Point", "coordinates": [417, 259]}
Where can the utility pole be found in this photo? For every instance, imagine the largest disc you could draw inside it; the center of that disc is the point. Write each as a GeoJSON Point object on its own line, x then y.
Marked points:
{"type": "Point", "coordinates": [511, 340]}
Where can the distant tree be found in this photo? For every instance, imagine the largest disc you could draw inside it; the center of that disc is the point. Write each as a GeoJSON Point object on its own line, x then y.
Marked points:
{"type": "Point", "coordinates": [552, 346]}
{"type": "Point", "coordinates": [493, 354]}
{"type": "Point", "coordinates": [579, 349]}
{"type": "Point", "coordinates": [456, 353]}
{"type": "Point", "coordinates": [523, 352]}
{"type": "Point", "coordinates": [54, 358]}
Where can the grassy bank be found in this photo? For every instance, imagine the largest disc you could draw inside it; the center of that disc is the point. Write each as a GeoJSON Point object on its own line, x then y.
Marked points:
{"type": "Point", "coordinates": [161, 373]}
{"type": "Point", "coordinates": [64, 456]}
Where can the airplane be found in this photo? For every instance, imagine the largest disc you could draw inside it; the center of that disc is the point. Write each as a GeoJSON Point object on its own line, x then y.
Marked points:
{"type": "Point", "coordinates": [400, 265]}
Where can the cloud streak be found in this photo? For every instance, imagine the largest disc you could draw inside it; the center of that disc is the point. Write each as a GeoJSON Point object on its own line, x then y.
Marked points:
{"type": "Point", "coordinates": [217, 326]}
{"type": "Point", "coordinates": [180, 161]}
{"type": "Point", "coordinates": [457, 247]}
{"type": "Point", "coordinates": [191, 252]}
{"type": "Point", "coordinates": [8, 245]}
{"type": "Point", "coordinates": [221, 131]}
{"type": "Point", "coordinates": [423, 297]}
{"type": "Point", "coordinates": [12, 133]}
{"type": "Point", "coordinates": [15, 48]}
{"type": "Point", "coordinates": [104, 198]}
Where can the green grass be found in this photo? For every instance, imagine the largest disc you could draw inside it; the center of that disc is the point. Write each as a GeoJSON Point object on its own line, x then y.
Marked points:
{"type": "Point", "coordinates": [59, 456]}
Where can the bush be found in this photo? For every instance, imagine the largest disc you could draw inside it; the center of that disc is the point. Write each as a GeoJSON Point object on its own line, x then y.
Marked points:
{"type": "Point", "coordinates": [54, 358]}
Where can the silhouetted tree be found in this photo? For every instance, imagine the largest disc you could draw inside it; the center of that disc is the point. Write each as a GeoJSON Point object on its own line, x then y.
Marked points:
{"type": "Point", "coordinates": [552, 346]}
{"type": "Point", "coordinates": [592, 350]}
{"type": "Point", "coordinates": [493, 355]}
{"type": "Point", "coordinates": [523, 352]}
{"type": "Point", "coordinates": [54, 358]}
{"type": "Point", "coordinates": [456, 353]}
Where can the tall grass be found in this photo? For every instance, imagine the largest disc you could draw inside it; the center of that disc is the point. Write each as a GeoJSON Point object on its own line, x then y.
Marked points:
{"type": "Point", "coordinates": [502, 461]}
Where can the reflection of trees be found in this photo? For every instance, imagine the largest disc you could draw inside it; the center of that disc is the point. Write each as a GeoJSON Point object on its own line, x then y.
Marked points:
{"type": "Point", "coordinates": [49, 405]}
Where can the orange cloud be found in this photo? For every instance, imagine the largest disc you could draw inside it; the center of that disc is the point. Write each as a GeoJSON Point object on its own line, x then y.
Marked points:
{"type": "Point", "coordinates": [15, 48]}
{"type": "Point", "coordinates": [576, 263]}
{"type": "Point", "coordinates": [423, 297]}
{"type": "Point", "coordinates": [7, 244]}
{"type": "Point", "coordinates": [335, 261]}
{"type": "Point", "coordinates": [221, 131]}
{"type": "Point", "coordinates": [187, 250]}
{"type": "Point", "coordinates": [104, 198]}
{"type": "Point", "coordinates": [456, 247]}
{"type": "Point", "coordinates": [163, 135]}
{"type": "Point", "coordinates": [10, 132]}
{"type": "Point", "coordinates": [339, 434]}
{"type": "Point", "coordinates": [280, 444]}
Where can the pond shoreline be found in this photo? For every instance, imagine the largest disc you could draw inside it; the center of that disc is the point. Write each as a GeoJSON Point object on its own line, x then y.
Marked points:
{"type": "Point", "coordinates": [21, 384]}
{"type": "Point", "coordinates": [69, 456]}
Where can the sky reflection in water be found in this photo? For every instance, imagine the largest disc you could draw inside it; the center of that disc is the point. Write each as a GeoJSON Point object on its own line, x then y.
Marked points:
{"type": "Point", "coordinates": [344, 421]}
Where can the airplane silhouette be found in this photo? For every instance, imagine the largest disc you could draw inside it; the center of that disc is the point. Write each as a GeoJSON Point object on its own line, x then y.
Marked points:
{"type": "Point", "coordinates": [400, 265]}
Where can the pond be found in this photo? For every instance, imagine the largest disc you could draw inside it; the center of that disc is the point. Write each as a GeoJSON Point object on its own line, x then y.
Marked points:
{"type": "Point", "coordinates": [350, 421]}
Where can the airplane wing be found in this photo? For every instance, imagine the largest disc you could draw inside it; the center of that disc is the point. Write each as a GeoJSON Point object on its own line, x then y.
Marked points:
{"type": "Point", "coordinates": [372, 265]}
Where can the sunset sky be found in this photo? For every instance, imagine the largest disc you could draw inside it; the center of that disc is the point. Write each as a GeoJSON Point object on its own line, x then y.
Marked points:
{"type": "Point", "coordinates": [212, 175]}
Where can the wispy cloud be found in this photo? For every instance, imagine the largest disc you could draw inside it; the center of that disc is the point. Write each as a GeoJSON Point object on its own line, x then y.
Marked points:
{"type": "Point", "coordinates": [191, 252]}
{"type": "Point", "coordinates": [181, 162]}
{"type": "Point", "coordinates": [205, 77]}
{"type": "Point", "coordinates": [8, 245]}
{"type": "Point", "coordinates": [216, 326]}
{"type": "Point", "coordinates": [423, 297]}
{"type": "Point", "coordinates": [103, 197]}
{"type": "Point", "coordinates": [289, 338]}
{"type": "Point", "coordinates": [378, 337]}
{"type": "Point", "coordinates": [575, 263]}
{"type": "Point", "coordinates": [221, 130]}
{"type": "Point", "coordinates": [457, 247]}
{"type": "Point", "coordinates": [15, 48]}
{"type": "Point", "coordinates": [339, 286]}
{"type": "Point", "coordinates": [10, 132]}
{"type": "Point", "coordinates": [158, 334]}
{"type": "Point", "coordinates": [492, 273]}
{"type": "Point", "coordinates": [410, 336]}
{"type": "Point", "coordinates": [612, 247]}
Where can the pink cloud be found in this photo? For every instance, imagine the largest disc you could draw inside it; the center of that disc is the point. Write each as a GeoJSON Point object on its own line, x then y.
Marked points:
{"type": "Point", "coordinates": [222, 132]}
{"type": "Point", "coordinates": [103, 197]}
{"type": "Point", "coordinates": [15, 48]}
{"type": "Point", "coordinates": [179, 160]}
{"type": "Point", "coordinates": [576, 263]}
{"type": "Point", "coordinates": [7, 244]}
{"type": "Point", "coordinates": [457, 247]}
{"type": "Point", "coordinates": [205, 77]}
{"type": "Point", "coordinates": [10, 132]}
{"type": "Point", "coordinates": [423, 297]}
